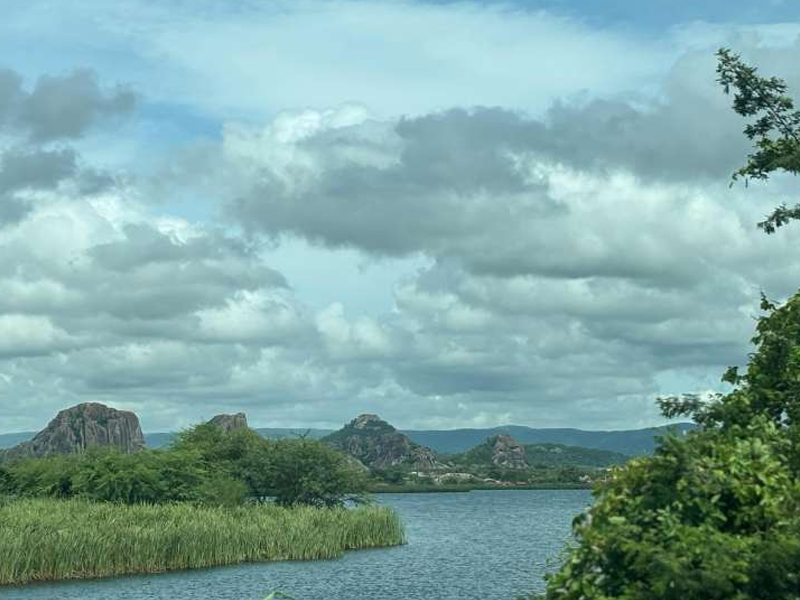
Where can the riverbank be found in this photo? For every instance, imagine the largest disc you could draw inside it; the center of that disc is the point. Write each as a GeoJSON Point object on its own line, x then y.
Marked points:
{"type": "Point", "coordinates": [47, 540]}
{"type": "Point", "coordinates": [429, 489]}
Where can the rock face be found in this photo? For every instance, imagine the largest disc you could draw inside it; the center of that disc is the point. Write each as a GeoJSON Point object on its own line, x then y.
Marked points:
{"type": "Point", "coordinates": [378, 445]}
{"type": "Point", "coordinates": [499, 451]}
{"type": "Point", "coordinates": [229, 423]}
{"type": "Point", "coordinates": [506, 452]}
{"type": "Point", "coordinates": [81, 427]}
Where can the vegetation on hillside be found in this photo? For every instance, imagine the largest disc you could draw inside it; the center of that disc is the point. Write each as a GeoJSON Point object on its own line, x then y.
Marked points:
{"type": "Point", "coordinates": [47, 539]}
{"type": "Point", "coordinates": [542, 456]}
{"type": "Point", "coordinates": [558, 454]}
{"type": "Point", "coordinates": [715, 516]}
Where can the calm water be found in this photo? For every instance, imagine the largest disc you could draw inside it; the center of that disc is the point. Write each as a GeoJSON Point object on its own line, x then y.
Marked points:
{"type": "Point", "coordinates": [480, 545]}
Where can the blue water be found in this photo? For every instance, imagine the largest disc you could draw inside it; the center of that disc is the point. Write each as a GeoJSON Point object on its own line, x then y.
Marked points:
{"type": "Point", "coordinates": [474, 546]}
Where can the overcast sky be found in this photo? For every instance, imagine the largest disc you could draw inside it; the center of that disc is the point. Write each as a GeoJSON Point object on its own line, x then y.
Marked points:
{"type": "Point", "coordinates": [449, 214]}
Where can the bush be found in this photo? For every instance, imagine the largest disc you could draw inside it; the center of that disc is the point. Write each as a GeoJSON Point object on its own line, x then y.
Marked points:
{"type": "Point", "coordinates": [306, 471]}
{"type": "Point", "coordinates": [204, 465]}
{"type": "Point", "coordinates": [51, 476]}
{"type": "Point", "coordinates": [714, 516]}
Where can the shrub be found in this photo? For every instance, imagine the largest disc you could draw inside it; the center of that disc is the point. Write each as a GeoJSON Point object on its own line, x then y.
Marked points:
{"type": "Point", "coordinates": [306, 471]}
{"type": "Point", "coordinates": [716, 515]}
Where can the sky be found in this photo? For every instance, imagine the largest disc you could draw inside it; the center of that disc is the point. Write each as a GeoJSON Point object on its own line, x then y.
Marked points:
{"type": "Point", "coordinates": [451, 214]}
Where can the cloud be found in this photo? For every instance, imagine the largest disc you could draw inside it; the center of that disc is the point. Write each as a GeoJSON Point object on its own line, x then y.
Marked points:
{"type": "Point", "coordinates": [63, 107]}
{"type": "Point", "coordinates": [396, 57]}
{"type": "Point", "coordinates": [610, 188]}
{"type": "Point", "coordinates": [562, 263]}
{"type": "Point", "coordinates": [57, 109]}
{"type": "Point", "coordinates": [41, 169]}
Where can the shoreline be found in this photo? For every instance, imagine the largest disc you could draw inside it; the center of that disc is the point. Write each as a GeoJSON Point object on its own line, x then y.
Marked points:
{"type": "Point", "coordinates": [431, 489]}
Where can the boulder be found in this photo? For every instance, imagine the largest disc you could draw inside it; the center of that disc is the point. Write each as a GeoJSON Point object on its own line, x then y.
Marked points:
{"type": "Point", "coordinates": [230, 423]}
{"type": "Point", "coordinates": [507, 453]}
{"type": "Point", "coordinates": [81, 427]}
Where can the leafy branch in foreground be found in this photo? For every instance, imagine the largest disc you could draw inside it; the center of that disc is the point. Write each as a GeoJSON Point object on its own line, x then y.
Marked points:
{"type": "Point", "coordinates": [775, 129]}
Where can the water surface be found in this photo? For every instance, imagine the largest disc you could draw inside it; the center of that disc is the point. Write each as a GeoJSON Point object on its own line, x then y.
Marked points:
{"type": "Point", "coordinates": [482, 545]}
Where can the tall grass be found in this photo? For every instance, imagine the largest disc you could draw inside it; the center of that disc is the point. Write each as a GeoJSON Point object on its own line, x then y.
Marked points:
{"type": "Point", "coordinates": [45, 539]}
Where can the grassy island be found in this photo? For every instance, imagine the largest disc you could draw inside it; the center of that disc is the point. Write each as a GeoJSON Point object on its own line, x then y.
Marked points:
{"type": "Point", "coordinates": [46, 539]}
{"type": "Point", "coordinates": [213, 497]}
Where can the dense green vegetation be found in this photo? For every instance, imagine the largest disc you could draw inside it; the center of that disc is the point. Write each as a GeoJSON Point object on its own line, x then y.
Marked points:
{"type": "Point", "coordinates": [46, 539]}
{"type": "Point", "coordinates": [485, 477]}
{"type": "Point", "coordinates": [203, 465]}
{"type": "Point", "coordinates": [200, 502]}
{"type": "Point", "coordinates": [717, 515]}
{"type": "Point", "coordinates": [543, 456]}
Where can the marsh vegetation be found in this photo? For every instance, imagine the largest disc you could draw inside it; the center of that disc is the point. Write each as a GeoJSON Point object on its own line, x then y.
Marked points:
{"type": "Point", "coordinates": [48, 539]}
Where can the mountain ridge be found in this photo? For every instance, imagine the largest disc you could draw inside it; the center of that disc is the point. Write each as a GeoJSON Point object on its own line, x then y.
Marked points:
{"type": "Point", "coordinates": [631, 442]}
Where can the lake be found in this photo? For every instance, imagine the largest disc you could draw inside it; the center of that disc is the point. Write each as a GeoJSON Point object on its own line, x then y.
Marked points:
{"type": "Point", "coordinates": [483, 545]}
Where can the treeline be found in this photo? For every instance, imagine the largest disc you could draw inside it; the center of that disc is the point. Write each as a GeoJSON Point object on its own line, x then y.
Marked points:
{"type": "Point", "coordinates": [202, 465]}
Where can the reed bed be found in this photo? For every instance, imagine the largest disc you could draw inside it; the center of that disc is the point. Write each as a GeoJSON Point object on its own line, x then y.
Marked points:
{"type": "Point", "coordinates": [44, 539]}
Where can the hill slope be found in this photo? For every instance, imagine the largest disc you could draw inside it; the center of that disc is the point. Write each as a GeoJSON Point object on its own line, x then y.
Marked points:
{"type": "Point", "coordinates": [505, 451]}
{"type": "Point", "coordinates": [378, 445]}
{"type": "Point", "coordinates": [559, 454]}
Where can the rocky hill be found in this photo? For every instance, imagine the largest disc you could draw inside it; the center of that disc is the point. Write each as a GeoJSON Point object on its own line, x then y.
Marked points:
{"type": "Point", "coordinates": [498, 450]}
{"type": "Point", "coordinates": [79, 428]}
{"type": "Point", "coordinates": [504, 451]}
{"type": "Point", "coordinates": [378, 445]}
{"type": "Point", "coordinates": [559, 454]}
{"type": "Point", "coordinates": [230, 423]}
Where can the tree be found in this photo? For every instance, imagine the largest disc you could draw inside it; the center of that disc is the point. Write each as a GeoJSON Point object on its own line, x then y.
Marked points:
{"type": "Point", "coordinates": [714, 516]}
{"type": "Point", "coordinates": [293, 471]}
{"type": "Point", "coordinates": [306, 471]}
{"type": "Point", "coordinates": [241, 455]}
{"type": "Point", "coordinates": [51, 476]}
{"type": "Point", "coordinates": [775, 129]}
{"type": "Point", "coordinates": [204, 465]}
{"type": "Point", "coordinates": [145, 477]}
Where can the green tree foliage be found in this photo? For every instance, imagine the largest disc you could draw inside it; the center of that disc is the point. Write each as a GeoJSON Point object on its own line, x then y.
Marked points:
{"type": "Point", "coordinates": [107, 475]}
{"type": "Point", "coordinates": [293, 471]}
{"type": "Point", "coordinates": [51, 476]}
{"type": "Point", "coordinates": [148, 477]}
{"type": "Point", "coordinates": [306, 471]}
{"type": "Point", "coordinates": [775, 128]}
{"type": "Point", "coordinates": [204, 465]}
{"type": "Point", "coordinates": [241, 455]}
{"type": "Point", "coordinates": [714, 516]}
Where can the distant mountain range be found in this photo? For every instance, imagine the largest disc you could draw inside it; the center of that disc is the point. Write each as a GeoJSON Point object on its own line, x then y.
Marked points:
{"type": "Point", "coordinates": [632, 442]}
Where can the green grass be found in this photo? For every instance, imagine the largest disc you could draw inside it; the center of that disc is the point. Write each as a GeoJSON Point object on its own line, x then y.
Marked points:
{"type": "Point", "coordinates": [43, 539]}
